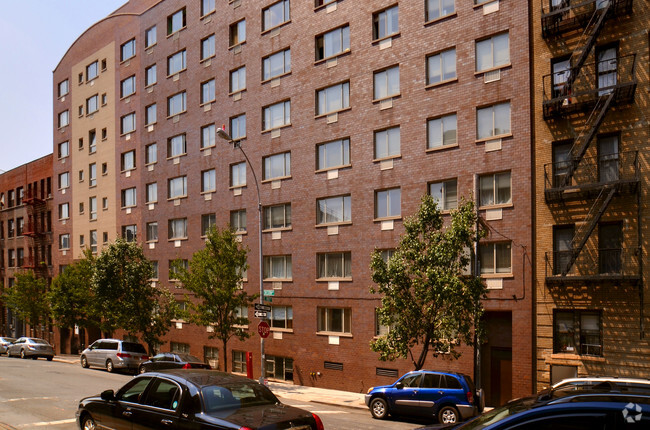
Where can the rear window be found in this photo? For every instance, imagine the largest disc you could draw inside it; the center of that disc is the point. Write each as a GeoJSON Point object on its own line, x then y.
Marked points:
{"type": "Point", "coordinates": [39, 341]}
{"type": "Point", "coordinates": [133, 347]}
{"type": "Point", "coordinates": [188, 358]}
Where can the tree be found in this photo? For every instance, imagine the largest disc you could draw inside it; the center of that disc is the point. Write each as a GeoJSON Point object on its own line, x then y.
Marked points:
{"type": "Point", "coordinates": [428, 303]}
{"type": "Point", "coordinates": [214, 278]}
{"type": "Point", "coordinates": [27, 298]}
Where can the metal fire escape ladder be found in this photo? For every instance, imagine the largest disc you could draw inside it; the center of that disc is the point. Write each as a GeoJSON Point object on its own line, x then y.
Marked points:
{"type": "Point", "coordinates": [595, 213]}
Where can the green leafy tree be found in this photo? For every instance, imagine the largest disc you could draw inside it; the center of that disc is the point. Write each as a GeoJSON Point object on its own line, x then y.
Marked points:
{"type": "Point", "coordinates": [214, 278]}
{"type": "Point", "coordinates": [428, 302]}
{"type": "Point", "coordinates": [27, 298]}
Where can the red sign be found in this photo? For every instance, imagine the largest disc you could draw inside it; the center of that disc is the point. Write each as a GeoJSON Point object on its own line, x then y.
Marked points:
{"type": "Point", "coordinates": [263, 329]}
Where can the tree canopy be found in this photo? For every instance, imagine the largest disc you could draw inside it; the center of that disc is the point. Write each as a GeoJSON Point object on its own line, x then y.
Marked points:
{"type": "Point", "coordinates": [27, 298]}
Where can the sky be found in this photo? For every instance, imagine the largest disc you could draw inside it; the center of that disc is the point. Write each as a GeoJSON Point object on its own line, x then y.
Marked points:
{"type": "Point", "coordinates": [34, 36]}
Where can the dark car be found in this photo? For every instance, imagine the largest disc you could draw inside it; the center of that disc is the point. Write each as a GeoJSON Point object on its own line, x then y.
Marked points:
{"type": "Point", "coordinates": [4, 343]}
{"type": "Point", "coordinates": [172, 360]}
{"type": "Point", "coordinates": [31, 347]}
{"type": "Point", "coordinates": [450, 397]}
{"type": "Point", "coordinates": [192, 399]}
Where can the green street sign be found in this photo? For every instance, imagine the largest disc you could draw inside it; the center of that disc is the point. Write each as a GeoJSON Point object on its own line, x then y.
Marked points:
{"type": "Point", "coordinates": [268, 299]}
{"type": "Point", "coordinates": [269, 293]}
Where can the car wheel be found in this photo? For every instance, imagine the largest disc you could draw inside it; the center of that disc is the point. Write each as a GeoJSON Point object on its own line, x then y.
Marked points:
{"type": "Point", "coordinates": [448, 415]}
{"type": "Point", "coordinates": [50, 358]}
{"type": "Point", "coordinates": [109, 366]}
{"type": "Point", "coordinates": [88, 423]}
{"type": "Point", "coordinates": [379, 408]}
{"type": "Point", "coordinates": [142, 369]}
{"type": "Point", "coordinates": [22, 354]}
{"type": "Point", "coordinates": [84, 362]}
{"type": "Point", "coordinates": [34, 357]}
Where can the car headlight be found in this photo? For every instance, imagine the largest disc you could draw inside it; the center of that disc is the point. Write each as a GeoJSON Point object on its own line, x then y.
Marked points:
{"type": "Point", "coordinates": [370, 389]}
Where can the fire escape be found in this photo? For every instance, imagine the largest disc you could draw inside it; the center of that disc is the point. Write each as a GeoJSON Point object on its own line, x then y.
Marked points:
{"type": "Point", "coordinates": [578, 88]}
{"type": "Point", "coordinates": [36, 258]}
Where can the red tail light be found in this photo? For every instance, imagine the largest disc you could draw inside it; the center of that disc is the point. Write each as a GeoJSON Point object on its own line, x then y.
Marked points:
{"type": "Point", "coordinates": [144, 357]}
{"type": "Point", "coordinates": [470, 397]}
{"type": "Point", "coordinates": [123, 355]}
{"type": "Point", "coordinates": [319, 423]}
{"type": "Point", "coordinates": [245, 428]}
{"type": "Point", "coordinates": [187, 366]}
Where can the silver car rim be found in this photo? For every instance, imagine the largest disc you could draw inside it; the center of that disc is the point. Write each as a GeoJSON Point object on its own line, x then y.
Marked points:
{"type": "Point", "coordinates": [448, 416]}
{"type": "Point", "coordinates": [109, 366]}
{"type": "Point", "coordinates": [89, 424]}
{"type": "Point", "coordinates": [378, 409]}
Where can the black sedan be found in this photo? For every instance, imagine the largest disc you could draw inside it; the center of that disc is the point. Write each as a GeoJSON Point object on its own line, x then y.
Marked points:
{"type": "Point", "coordinates": [192, 399]}
{"type": "Point", "coordinates": [172, 360]}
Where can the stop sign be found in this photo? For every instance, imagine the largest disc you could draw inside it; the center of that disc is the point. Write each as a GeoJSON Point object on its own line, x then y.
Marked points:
{"type": "Point", "coordinates": [263, 329]}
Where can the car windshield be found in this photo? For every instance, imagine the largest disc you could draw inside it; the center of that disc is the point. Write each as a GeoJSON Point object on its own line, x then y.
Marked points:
{"type": "Point", "coordinates": [133, 347]}
{"type": "Point", "coordinates": [498, 414]}
{"type": "Point", "coordinates": [39, 341]}
{"type": "Point", "coordinates": [188, 358]}
{"type": "Point", "coordinates": [236, 396]}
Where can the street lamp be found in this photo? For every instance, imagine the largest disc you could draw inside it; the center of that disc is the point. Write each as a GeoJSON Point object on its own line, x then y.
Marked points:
{"type": "Point", "coordinates": [225, 136]}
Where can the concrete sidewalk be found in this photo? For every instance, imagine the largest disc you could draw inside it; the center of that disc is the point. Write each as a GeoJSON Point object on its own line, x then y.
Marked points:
{"type": "Point", "coordinates": [286, 390]}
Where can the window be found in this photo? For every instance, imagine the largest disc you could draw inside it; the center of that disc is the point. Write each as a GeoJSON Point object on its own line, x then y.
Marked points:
{"type": "Point", "coordinates": [333, 43]}
{"type": "Point", "coordinates": [386, 83]}
{"type": "Point", "coordinates": [64, 149]}
{"type": "Point", "coordinates": [127, 50]}
{"type": "Point", "coordinates": [332, 99]}
{"type": "Point", "coordinates": [333, 210]}
{"type": "Point", "coordinates": [92, 71]}
{"type": "Point", "coordinates": [238, 220]}
{"type": "Point", "coordinates": [92, 141]}
{"type": "Point", "coordinates": [173, 271]}
{"type": "Point", "coordinates": [610, 248]}
{"type": "Point", "coordinates": [64, 241]}
{"type": "Point", "coordinates": [277, 166]}
{"type": "Point", "coordinates": [64, 211]}
{"type": "Point", "coordinates": [64, 118]}
{"type": "Point", "coordinates": [441, 67]}
{"type": "Point", "coordinates": [208, 136]}
{"type": "Point", "coordinates": [387, 143]}
{"type": "Point", "coordinates": [281, 317]}
{"type": "Point", "coordinates": [493, 121]}
{"type": "Point", "coordinates": [442, 131]}
{"type": "Point", "coordinates": [493, 52]}
{"type": "Point", "coordinates": [150, 76]}
{"type": "Point", "coordinates": [150, 114]}
{"type": "Point", "coordinates": [494, 189]}
{"type": "Point", "coordinates": [238, 80]}
{"type": "Point", "coordinates": [10, 227]}
{"type": "Point", "coordinates": [276, 64]}
{"type": "Point", "coordinates": [64, 182]}
{"type": "Point", "coordinates": [239, 362]}
{"type": "Point", "coordinates": [104, 204]}
{"type": "Point", "coordinates": [104, 100]}
{"type": "Point", "coordinates": [445, 194]}
{"type": "Point", "coordinates": [92, 208]}
{"type": "Point", "coordinates": [207, 6]}
{"type": "Point", "coordinates": [130, 232]}
{"type": "Point", "coordinates": [561, 72]}
{"type": "Point", "coordinates": [92, 104]}
{"type": "Point", "coordinates": [277, 115]}
{"type": "Point", "coordinates": [92, 174]}
{"type": "Point", "coordinates": [176, 22]}
{"type": "Point", "coordinates": [607, 65]}
{"type": "Point", "coordinates": [439, 8]}
{"type": "Point", "coordinates": [385, 23]}
{"type": "Point", "coordinates": [127, 123]}
{"type": "Point", "coordinates": [388, 203]}
{"type": "Point", "coordinates": [495, 258]}
{"type": "Point", "coordinates": [208, 47]}
{"type": "Point", "coordinates": [279, 368]}
{"type": "Point", "coordinates": [208, 221]}
{"type": "Point", "coordinates": [128, 160]}
{"type": "Point", "coordinates": [238, 127]}
{"type": "Point", "coordinates": [334, 320]}
{"type": "Point", "coordinates": [176, 104]}
{"type": "Point", "coordinates": [93, 241]}
{"type": "Point", "coordinates": [152, 193]}
{"type": "Point", "coordinates": [177, 187]}
{"type": "Point", "coordinates": [277, 267]}
{"type": "Point", "coordinates": [151, 154]}
{"type": "Point", "coordinates": [11, 257]}
{"type": "Point", "coordinates": [129, 198]}
{"type": "Point", "coordinates": [609, 163]}
{"type": "Point", "coordinates": [127, 86]}
{"type": "Point", "coordinates": [176, 63]}
{"type": "Point", "coordinates": [577, 332]}
{"type": "Point", "coordinates": [238, 175]}
{"type": "Point", "coordinates": [63, 88]}
{"type": "Point", "coordinates": [150, 37]}
{"type": "Point", "coordinates": [209, 181]}
{"type": "Point", "coordinates": [81, 111]}
{"type": "Point", "coordinates": [178, 228]}
{"type": "Point", "coordinates": [238, 32]}
{"type": "Point", "coordinates": [332, 155]}
{"type": "Point", "coordinates": [207, 92]}
{"type": "Point", "coordinates": [176, 146]}
{"type": "Point", "coordinates": [277, 217]}
{"type": "Point", "coordinates": [275, 15]}
{"type": "Point", "coordinates": [334, 265]}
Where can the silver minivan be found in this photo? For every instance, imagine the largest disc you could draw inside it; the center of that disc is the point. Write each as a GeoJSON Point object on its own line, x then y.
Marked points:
{"type": "Point", "coordinates": [114, 354]}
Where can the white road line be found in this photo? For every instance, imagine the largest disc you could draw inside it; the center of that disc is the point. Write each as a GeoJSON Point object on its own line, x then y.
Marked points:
{"type": "Point", "coordinates": [329, 412]}
{"type": "Point", "coordinates": [45, 424]}
{"type": "Point", "coordinates": [22, 399]}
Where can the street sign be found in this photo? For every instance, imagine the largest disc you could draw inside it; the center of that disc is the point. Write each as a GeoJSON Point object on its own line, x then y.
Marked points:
{"type": "Point", "coordinates": [268, 299]}
{"type": "Point", "coordinates": [261, 307]}
{"type": "Point", "coordinates": [269, 292]}
{"type": "Point", "coordinates": [260, 314]}
{"type": "Point", "coordinates": [263, 329]}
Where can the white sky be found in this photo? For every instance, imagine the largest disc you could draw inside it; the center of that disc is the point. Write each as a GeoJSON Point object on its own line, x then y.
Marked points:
{"type": "Point", "coordinates": [34, 35]}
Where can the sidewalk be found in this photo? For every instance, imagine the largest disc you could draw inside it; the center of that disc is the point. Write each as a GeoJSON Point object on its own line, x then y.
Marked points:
{"type": "Point", "coordinates": [287, 391]}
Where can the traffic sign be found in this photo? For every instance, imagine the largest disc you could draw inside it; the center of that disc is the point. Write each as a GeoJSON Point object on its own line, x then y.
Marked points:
{"type": "Point", "coordinates": [260, 314]}
{"type": "Point", "coordinates": [268, 299]}
{"type": "Point", "coordinates": [261, 307]}
{"type": "Point", "coordinates": [269, 292]}
{"type": "Point", "coordinates": [263, 329]}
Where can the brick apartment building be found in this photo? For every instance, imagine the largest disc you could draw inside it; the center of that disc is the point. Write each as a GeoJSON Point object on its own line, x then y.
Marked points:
{"type": "Point", "coordinates": [25, 233]}
{"type": "Point", "coordinates": [591, 115]}
{"type": "Point", "coordinates": [349, 112]}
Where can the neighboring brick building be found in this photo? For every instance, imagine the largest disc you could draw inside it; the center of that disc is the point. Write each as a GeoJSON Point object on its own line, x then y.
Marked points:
{"type": "Point", "coordinates": [591, 149]}
{"type": "Point", "coordinates": [25, 233]}
{"type": "Point", "coordinates": [349, 113]}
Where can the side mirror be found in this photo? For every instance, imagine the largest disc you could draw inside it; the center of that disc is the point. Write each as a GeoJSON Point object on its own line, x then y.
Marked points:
{"type": "Point", "coordinates": [108, 395]}
{"type": "Point", "coordinates": [399, 385]}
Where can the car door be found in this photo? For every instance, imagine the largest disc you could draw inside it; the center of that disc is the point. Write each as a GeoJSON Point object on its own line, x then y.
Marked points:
{"type": "Point", "coordinates": [160, 406]}
{"type": "Point", "coordinates": [91, 356]}
{"type": "Point", "coordinates": [431, 392]}
{"type": "Point", "coordinates": [404, 400]}
{"type": "Point", "coordinates": [14, 349]}
{"type": "Point", "coordinates": [118, 414]}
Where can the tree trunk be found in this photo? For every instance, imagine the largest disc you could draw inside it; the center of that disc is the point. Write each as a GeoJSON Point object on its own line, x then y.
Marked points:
{"type": "Point", "coordinates": [225, 356]}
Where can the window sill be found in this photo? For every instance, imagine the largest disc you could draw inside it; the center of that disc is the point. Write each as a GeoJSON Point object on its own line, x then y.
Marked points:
{"type": "Point", "coordinates": [282, 330]}
{"type": "Point", "coordinates": [390, 157]}
{"type": "Point", "coordinates": [572, 356]}
{"type": "Point", "coordinates": [208, 192]}
{"type": "Point", "coordinates": [177, 32]}
{"type": "Point", "coordinates": [231, 47]}
{"type": "Point", "coordinates": [342, 279]}
{"type": "Point", "coordinates": [269, 130]}
{"type": "Point", "coordinates": [389, 218]}
{"type": "Point", "coordinates": [389, 97]}
{"type": "Point", "coordinates": [126, 60]}
{"type": "Point", "coordinates": [212, 12]}
{"type": "Point", "coordinates": [389, 36]}
{"type": "Point", "coordinates": [497, 276]}
{"type": "Point", "coordinates": [271, 230]}
{"type": "Point", "coordinates": [207, 147]}
{"type": "Point", "coordinates": [176, 73]}
{"type": "Point", "coordinates": [270, 29]}
{"type": "Point", "coordinates": [326, 114]}
{"type": "Point", "coordinates": [272, 78]}
{"type": "Point", "coordinates": [441, 18]}
{"type": "Point", "coordinates": [203, 60]}
{"type": "Point", "coordinates": [234, 93]}
{"type": "Point", "coordinates": [125, 171]}
{"type": "Point", "coordinates": [174, 239]}
{"type": "Point", "coordinates": [209, 102]}
{"type": "Point", "coordinates": [122, 134]}
{"type": "Point", "coordinates": [441, 83]}
{"type": "Point", "coordinates": [495, 137]}
{"type": "Point", "coordinates": [331, 57]}
{"type": "Point", "coordinates": [500, 206]}
{"type": "Point", "coordinates": [176, 157]}
{"type": "Point", "coordinates": [325, 5]}
{"type": "Point", "coordinates": [333, 333]}
{"type": "Point", "coordinates": [277, 280]}
{"type": "Point", "coordinates": [234, 187]}
{"type": "Point", "coordinates": [171, 199]}
{"type": "Point", "coordinates": [492, 69]}
{"type": "Point", "coordinates": [96, 110]}
{"type": "Point", "coordinates": [150, 124]}
{"type": "Point", "coordinates": [279, 178]}
{"type": "Point", "coordinates": [331, 224]}
{"type": "Point", "coordinates": [121, 99]}
{"type": "Point", "coordinates": [176, 114]}
{"type": "Point", "coordinates": [344, 166]}
{"type": "Point", "coordinates": [128, 207]}
{"type": "Point", "coordinates": [147, 87]}
{"type": "Point", "coordinates": [442, 148]}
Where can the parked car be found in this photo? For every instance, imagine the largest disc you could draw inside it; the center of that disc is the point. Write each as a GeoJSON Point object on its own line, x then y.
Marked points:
{"type": "Point", "coordinates": [448, 396]}
{"type": "Point", "coordinates": [4, 343]}
{"type": "Point", "coordinates": [31, 347]}
{"type": "Point", "coordinates": [114, 354]}
{"type": "Point", "coordinates": [624, 385]}
{"type": "Point", "coordinates": [192, 399]}
{"type": "Point", "coordinates": [172, 360]}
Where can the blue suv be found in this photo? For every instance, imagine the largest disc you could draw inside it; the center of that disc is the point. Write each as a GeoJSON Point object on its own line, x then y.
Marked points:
{"type": "Point", "coordinates": [448, 396]}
